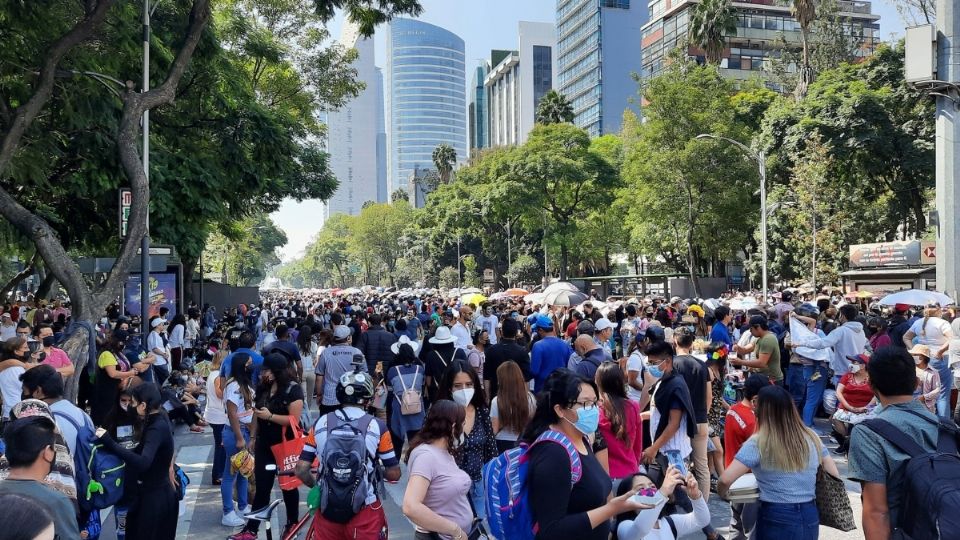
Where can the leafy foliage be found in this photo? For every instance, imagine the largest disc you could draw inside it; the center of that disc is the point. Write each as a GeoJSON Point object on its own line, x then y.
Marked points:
{"type": "Point", "coordinates": [554, 108]}
{"type": "Point", "coordinates": [710, 24]}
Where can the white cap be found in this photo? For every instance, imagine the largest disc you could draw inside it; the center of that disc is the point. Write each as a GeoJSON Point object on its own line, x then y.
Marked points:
{"type": "Point", "coordinates": [157, 322]}
{"type": "Point", "coordinates": [602, 324]}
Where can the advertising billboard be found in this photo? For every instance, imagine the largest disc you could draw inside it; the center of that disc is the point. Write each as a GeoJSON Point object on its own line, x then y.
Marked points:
{"type": "Point", "coordinates": [163, 292]}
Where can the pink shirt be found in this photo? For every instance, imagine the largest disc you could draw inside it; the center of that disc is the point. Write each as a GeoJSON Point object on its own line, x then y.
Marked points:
{"type": "Point", "coordinates": [57, 359]}
{"type": "Point", "coordinates": [624, 457]}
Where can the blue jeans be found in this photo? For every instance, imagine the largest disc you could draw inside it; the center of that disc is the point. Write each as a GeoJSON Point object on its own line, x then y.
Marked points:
{"type": "Point", "coordinates": [226, 488]}
{"type": "Point", "coordinates": [219, 454]}
{"type": "Point", "coordinates": [814, 391]}
{"type": "Point", "coordinates": [787, 521]}
{"type": "Point", "coordinates": [476, 496]}
{"type": "Point", "coordinates": [946, 386]}
{"type": "Point", "coordinates": [796, 384]}
{"type": "Point", "coordinates": [120, 521]}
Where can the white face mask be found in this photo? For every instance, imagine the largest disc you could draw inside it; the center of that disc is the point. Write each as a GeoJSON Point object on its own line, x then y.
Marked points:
{"type": "Point", "coordinates": [855, 368]}
{"type": "Point", "coordinates": [463, 397]}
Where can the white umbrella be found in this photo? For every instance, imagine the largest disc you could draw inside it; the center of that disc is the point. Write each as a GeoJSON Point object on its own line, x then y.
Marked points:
{"type": "Point", "coordinates": [916, 297]}
{"type": "Point", "coordinates": [560, 286]}
{"type": "Point", "coordinates": [565, 298]}
{"type": "Point", "coordinates": [470, 290]}
{"type": "Point", "coordinates": [534, 298]}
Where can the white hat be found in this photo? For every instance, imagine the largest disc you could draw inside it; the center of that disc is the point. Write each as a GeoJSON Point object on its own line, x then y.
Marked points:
{"type": "Point", "coordinates": [602, 324]}
{"type": "Point", "coordinates": [157, 322]}
{"type": "Point", "coordinates": [404, 340]}
{"type": "Point", "coordinates": [341, 332]}
{"type": "Point", "coordinates": [442, 336]}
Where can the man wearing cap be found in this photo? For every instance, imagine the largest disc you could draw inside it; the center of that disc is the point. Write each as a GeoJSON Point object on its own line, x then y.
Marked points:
{"type": "Point", "coordinates": [549, 353]}
{"type": "Point", "coordinates": [8, 328]}
{"type": "Point", "coordinates": [767, 350]}
{"type": "Point", "coordinates": [31, 454]}
{"type": "Point", "coordinates": [900, 322]}
{"type": "Point", "coordinates": [334, 361]}
{"type": "Point", "coordinates": [157, 344]}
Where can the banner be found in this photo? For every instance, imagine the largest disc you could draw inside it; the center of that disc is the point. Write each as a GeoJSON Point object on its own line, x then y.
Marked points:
{"type": "Point", "coordinates": [163, 292]}
{"type": "Point", "coordinates": [800, 333]}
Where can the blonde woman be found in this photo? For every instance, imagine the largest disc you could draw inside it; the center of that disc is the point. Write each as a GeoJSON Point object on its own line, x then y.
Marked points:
{"type": "Point", "coordinates": [216, 415]}
{"type": "Point", "coordinates": [784, 456]}
{"type": "Point", "coordinates": [936, 334]}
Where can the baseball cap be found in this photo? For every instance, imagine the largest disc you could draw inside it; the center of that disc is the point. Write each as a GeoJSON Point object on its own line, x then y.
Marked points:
{"type": "Point", "coordinates": [901, 307]}
{"type": "Point", "coordinates": [5, 315]}
{"type": "Point", "coordinates": [544, 322]}
{"type": "Point", "coordinates": [586, 328]}
{"type": "Point", "coordinates": [157, 322]}
{"type": "Point", "coordinates": [602, 324]}
{"type": "Point", "coordinates": [341, 332]}
{"type": "Point", "coordinates": [654, 333]}
{"type": "Point", "coordinates": [863, 358]}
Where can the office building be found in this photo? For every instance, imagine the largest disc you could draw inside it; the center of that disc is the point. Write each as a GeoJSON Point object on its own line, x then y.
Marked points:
{"type": "Point", "coordinates": [515, 84]}
{"type": "Point", "coordinates": [426, 98]}
{"type": "Point", "coordinates": [598, 53]}
{"type": "Point", "coordinates": [352, 134]}
{"type": "Point", "coordinates": [760, 27]}
{"type": "Point", "coordinates": [382, 194]}
{"type": "Point", "coordinates": [478, 116]}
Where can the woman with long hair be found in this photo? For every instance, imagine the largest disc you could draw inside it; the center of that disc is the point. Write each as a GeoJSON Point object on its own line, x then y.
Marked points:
{"type": "Point", "coordinates": [307, 346]}
{"type": "Point", "coordinates": [16, 360]}
{"type": "Point", "coordinates": [564, 509]}
{"type": "Point", "coordinates": [461, 384]}
{"type": "Point", "coordinates": [660, 521]}
{"type": "Point", "coordinates": [279, 403]}
{"type": "Point", "coordinates": [153, 511]}
{"type": "Point", "coordinates": [619, 422]}
{"type": "Point", "coordinates": [114, 373]}
{"type": "Point", "coordinates": [178, 328]}
{"type": "Point", "coordinates": [784, 456]}
{"type": "Point", "coordinates": [513, 406]}
{"type": "Point", "coordinates": [238, 404]}
{"type": "Point", "coordinates": [405, 378]}
{"type": "Point", "coordinates": [215, 414]}
{"type": "Point", "coordinates": [436, 499]}
{"type": "Point", "coordinates": [717, 353]}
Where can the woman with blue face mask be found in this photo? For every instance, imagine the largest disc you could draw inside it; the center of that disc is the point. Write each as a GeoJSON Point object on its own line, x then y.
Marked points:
{"type": "Point", "coordinates": [567, 499]}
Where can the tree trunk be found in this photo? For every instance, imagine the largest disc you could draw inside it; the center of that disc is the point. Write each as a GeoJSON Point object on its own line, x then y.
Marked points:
{"type": "Point", "coordinates": [189, 265]}
{"type": "Point", "coordinates": [691, 256]}
{"type": "Point", "coordinates": [22, 275]}
{"type": "Point", "coordinates": [806, 72]}
{"type": "Point", "coordinates": [43, 290]}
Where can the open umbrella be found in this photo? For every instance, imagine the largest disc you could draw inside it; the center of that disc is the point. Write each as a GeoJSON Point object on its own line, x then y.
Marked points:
{"type": "Point", "coordinates": [534, 298]}
{"type": "Point", "coordinates": [516, 292]}
{"type": "Point", "coordinates": [564, 297]}
{"type": "Point", "coordinates": [859, 294]}
{"type": "Point", "coordinates": [561, 286]}
{"type": "Point", "coordinates": [469, 290]}
{"type": "Point", "coordinates": [916, 297]}
{"type": "Point", "coordinates": [472, 298]}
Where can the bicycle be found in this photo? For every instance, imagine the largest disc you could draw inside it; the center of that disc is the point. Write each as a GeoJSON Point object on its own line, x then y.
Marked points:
{"type": "Point", "coordinates": [265, 516]}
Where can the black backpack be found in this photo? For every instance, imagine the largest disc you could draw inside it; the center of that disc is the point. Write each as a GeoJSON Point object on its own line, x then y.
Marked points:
{"type": "Point", "coordinates": [344, 479]}
{"type": "Point", "coordinates": [931, 498]}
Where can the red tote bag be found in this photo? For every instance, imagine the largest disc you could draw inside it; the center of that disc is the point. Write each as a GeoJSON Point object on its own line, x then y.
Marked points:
{"type": "Point", "coordinates": [287, 454]}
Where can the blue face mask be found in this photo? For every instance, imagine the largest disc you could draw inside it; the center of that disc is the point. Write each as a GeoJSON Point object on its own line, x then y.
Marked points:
{"type": "Point", "coordinates": [587, 420]}
{"type": "Point", "coordinates": [655, 371]}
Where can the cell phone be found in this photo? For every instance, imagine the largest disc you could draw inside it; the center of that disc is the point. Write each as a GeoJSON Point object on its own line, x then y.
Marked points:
{"type": "Point", "coordinates": [674, 459]}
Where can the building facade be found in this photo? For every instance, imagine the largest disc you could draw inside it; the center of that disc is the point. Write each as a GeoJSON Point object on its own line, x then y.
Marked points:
{"type": "Point", "coordinates": [352, 134]}
{"type": "Point", "coordinates": [478, 116]}
{"type": "Point", "coordinates": [382, 194]}
{"type": "Point", "coordinates": [598, 53]}
{"type": "Point", "coordinates": [762, 28]}
{"type": "Point", "coordinates": [515, 85]}
{"type": "Point", "coordinates": [426, 98]}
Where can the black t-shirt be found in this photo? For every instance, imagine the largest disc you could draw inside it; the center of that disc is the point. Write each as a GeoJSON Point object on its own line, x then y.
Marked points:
{"type": "Point", "coordinates": [270, 433]}
{"type": "Point", "coordinates": [438, 359]}
{"type": "Point", "coordinates": [505, 351]}
{"type": "Point", "coordinates": [694, 373]}
{"type": "Point", "coordinates": [559, 510]}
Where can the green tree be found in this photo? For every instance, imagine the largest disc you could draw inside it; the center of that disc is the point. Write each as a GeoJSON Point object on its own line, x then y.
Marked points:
{"type": "Point", "coordinates": [448, 277]}
{"type": "Point", "coordinates": [805, 12]}
{"type": "Point", "coordinates": [554, 108]}
{"type": "Point", "coordinates": [525, 270]}
{"type": "Point", "coordinates": [245, 252]}
{"type": "Point", "coordinates": [376, 235]}
{"type": "Point", "coordinates": [331, 248]}
{"type": "Point", "coordinates": [400, 194]}
{"type": "Point", "coordinates": [710, 24]}
{"type": "Point", "coordinates": [471, 274]}
{"type": "Point", "coordinates": [444, 158]}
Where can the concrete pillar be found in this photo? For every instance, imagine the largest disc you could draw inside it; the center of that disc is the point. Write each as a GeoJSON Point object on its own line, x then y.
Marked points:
{"type": "Point", "coordinates": [948, 152]}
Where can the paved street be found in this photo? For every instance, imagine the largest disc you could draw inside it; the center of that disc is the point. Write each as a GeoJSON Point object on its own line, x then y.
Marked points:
{"type": "Point", "coordinates": [201, 518]}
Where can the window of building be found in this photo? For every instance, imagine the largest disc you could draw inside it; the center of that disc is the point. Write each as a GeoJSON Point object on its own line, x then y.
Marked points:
{"type": "Point", "coordinates": [619, 4]}
{"type": "Point", "coordinates": [542, 72]}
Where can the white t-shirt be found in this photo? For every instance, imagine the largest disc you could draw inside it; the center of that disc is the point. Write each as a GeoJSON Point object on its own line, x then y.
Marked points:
{"type": "Point", "coordinates": [154, 341]}
{"type": "Point", "coordinates": [176, 337]}
{"type": "Point", "coordinates": [307, 359]}
{"type": "Point", "coordinates": [214, 413]}
{"type": "Point", "coordinates": [635, 363]}
{"type": "Point", "coordinates": [232, 394]}
{"type": "Point", "coordinates": [490, 325]}
{"type": "Point", "coordinates": [7, 332]}
{"type": "Point", "coordinates": [11, 388]}
{"type": "Point", "coordinates": [460, 332]}
{"type": "Point", "coordinates": [933, 334]}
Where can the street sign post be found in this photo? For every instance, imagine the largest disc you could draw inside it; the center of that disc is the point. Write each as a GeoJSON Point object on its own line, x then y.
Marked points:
{"type": "Point", "coordinates": [126, 201]}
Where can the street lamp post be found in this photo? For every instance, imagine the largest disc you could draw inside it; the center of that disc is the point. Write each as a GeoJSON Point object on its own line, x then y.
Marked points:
{"type": "Point", "coordinates": [762, 167]}
{"type": "Point", "coordinates": [145, 241]}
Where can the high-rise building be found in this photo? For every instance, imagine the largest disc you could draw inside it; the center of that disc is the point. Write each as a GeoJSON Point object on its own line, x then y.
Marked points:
{"type": "Point", "coordinates": [352, 134]}
{"type": "Point", "coordinates": [598, 51]}
{"type": "Point", "coordinates": [478, 116]}
{"type": "Point", "coordinates": [760, 26]}
{"type": "Point", "coordinates": [382, 194]}
{"type": "Point", "coordinates": [426, 98]}
{"type": "Point", "coordinates": [515, 85]}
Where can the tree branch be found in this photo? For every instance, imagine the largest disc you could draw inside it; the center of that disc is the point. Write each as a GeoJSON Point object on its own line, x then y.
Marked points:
{"type": "Point", "coordinates": [22, 275]}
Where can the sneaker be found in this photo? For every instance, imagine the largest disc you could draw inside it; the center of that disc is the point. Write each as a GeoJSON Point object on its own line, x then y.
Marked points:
{"type": "Point", "coordinates": [246, 510]}
{"type": "Point", "coordinates": [243, 535]}
{"type": "Point", "coordinates": [231, 519]}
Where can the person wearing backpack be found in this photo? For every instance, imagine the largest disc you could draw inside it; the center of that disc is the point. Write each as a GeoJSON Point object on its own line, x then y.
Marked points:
{"type": "Point", "coordinates": [154, 509]}
{"type": "Point", "coordinates": [350, 507]}
{"type": "Point", "coordinates": [880, 455]}
{"type": "Point", "coordinates": [406, 378]}
{"type": "Point", "coordinates": [567, 487]}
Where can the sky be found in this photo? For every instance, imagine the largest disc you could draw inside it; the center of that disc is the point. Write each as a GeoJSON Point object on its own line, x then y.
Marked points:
{"type": "Point", "coordinates": [483, 25]}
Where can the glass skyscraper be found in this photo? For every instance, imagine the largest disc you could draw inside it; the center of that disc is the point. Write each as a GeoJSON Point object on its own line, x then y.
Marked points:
{"type": "Point", "coordinates": [426, 98]}
{"type": "Point", "coordinates": [598, 44]}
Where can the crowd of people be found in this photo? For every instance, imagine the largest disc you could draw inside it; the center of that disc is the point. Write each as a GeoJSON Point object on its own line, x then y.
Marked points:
{"type": "Point", "coordinates": [628, 415]}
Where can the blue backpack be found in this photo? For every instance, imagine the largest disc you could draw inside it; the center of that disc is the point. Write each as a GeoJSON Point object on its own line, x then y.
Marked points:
{"type": "Point", "coordinates": [504, 479]}
{"type": "Point", "coordinates": [99, 472]}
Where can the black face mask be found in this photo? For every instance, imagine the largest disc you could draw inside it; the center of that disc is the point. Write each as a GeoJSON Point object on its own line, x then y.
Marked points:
{"type": "Point", "coordinates": [49, 341]}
